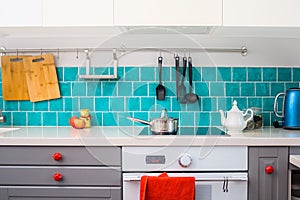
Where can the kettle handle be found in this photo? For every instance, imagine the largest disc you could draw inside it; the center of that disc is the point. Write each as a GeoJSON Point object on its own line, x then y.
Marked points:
{"type": "Point", "coordinates": [276, 103]}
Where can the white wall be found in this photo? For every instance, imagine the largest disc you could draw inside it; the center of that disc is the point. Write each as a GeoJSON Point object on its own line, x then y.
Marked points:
{"type": "Point", "coordinates": [264, 48]}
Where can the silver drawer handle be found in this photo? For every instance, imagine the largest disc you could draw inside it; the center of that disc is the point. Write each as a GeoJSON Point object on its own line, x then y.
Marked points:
{"type": "Point", "coordinates": [241, 178]}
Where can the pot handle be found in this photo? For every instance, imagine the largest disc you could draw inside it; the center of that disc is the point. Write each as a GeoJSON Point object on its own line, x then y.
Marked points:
{"type": "Point", "coordinates": [139, 120]}
{"type": "Point", "coordinates": [276, 103]}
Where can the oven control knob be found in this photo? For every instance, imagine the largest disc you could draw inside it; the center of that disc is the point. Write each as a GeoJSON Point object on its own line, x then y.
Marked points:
{"type": "Point", "coordinates": [185, 160]}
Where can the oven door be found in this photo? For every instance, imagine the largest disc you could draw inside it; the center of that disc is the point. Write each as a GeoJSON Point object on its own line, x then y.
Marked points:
{"type": "Point", "coordinates": [209, 186]}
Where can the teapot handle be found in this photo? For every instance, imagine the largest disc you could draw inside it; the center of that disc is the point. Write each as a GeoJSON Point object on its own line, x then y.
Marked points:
{"type": "Point", "coordinates": [251, 116]}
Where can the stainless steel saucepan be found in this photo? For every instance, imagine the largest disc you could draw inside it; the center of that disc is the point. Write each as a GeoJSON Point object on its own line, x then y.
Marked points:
{"type": "Point", "coordinates": [164, 125]}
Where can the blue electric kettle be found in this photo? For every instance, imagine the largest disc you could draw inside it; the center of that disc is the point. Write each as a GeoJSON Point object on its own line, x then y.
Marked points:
{"type": "Point", "coordinates": [290, 113]}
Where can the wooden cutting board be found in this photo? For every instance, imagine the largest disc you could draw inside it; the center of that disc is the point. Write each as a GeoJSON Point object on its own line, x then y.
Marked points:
{"type": "Point", "coordinates": [14, 85]}
{"type": "Point", "coordinates": [41, 77]}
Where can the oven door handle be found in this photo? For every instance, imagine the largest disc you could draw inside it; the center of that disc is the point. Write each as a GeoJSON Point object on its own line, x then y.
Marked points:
{"type": "Point", "coordinates": [233, 178]}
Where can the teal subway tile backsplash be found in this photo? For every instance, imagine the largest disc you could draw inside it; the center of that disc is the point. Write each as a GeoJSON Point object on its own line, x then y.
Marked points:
{"type": "Point", "coordinates": [247, 89]}
{"type": "Point", "coordinates": [124, 88]}
{"type": "Point", "coordinates": [209, 73]}
{"type": "Point", "coordinates": [134, 94]}
{"type": "Point", "coordinates": [147, 74]}
{"type": "Point", "coordinates": [296, 74]}
{"type": "Point", "coordinates": [49, 118]}
{"type": "Point", "coordinates": [224, 74]}
{"type": "Point", "coordinates": [254, 73]}
{"type": "Point", "coordinates": [239, 74]}
{"type": "Point", "coordinates": [284, 74]}
{"type": "Point", "coordinates": [232, 89]}
{"type": "Point", "coordinates": [217, 89]}
{"type": "Point", "coordinates": [140, 89]}
{"type": "Point", "coordinates": [34, 118]}
{"type": "Point", "coordinates": [269, 74]}
{"type": "Point", "coordinates": [102, 104]}
{"type": "Point", "coordinates": [70, 73]}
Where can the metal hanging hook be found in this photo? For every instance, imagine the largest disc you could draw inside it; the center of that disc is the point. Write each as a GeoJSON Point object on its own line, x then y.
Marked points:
{"type": "Point", "coordinates": [17, 53]}
{"type": "Point", "coordinates": [77, 54]}
{"type": "Point", "coordinates": [57, 53]}
{"type": "Point", "coordinates": [41, 53]}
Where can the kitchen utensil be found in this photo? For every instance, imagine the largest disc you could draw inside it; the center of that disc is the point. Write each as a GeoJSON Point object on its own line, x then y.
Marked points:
{"type": "Point", "coordinates": [160, 89]}
{"type": "Point", "coordinates": [14, 85]}
{"type": "Point", "coordinates": [291, 108]}
{"type": "Point", "coordinates": [235, 121]}
{"type": "Point", "coordinates": [164, 125]}
{"type": "Point", "coordinates": [191, 97]}
{"type": "Point", "coordinates": [177, 75]}
{"type": "Point", "coordinates": [181, 88]}
{"type": "Point", "coordinates": [41, 77]}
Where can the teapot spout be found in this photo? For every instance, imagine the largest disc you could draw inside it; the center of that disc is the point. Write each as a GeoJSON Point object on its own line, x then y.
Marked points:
{"type": "Point", "coordinates": [222, 117]}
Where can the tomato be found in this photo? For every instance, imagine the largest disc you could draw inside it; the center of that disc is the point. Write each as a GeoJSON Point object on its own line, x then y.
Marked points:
{"type": "Point", "coordinates": [71, 121]}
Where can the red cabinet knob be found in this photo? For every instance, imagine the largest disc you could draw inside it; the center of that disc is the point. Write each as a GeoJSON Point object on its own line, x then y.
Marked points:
{"type": "Point", "coordinates": [269, 169]}
{"type": "Point", "coordinates": [57, 176]}
{"type": "Point", "coordinates": [57, 156]}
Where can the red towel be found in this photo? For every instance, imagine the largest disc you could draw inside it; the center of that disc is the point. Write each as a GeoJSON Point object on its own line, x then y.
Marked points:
{"type": "Point", "coordinates": [164, 187]}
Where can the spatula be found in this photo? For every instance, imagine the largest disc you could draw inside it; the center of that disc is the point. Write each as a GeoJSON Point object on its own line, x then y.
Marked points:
{"type": "Point", "coordinates": [160, 89]}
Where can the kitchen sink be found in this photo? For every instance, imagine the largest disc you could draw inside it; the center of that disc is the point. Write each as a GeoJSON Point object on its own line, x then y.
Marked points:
{"type": "Point", "coordinates": [198, 131]}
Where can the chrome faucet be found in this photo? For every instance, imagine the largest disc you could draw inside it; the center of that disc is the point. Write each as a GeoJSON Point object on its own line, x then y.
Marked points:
{"type": "Point", "coordinates": [2, 118]}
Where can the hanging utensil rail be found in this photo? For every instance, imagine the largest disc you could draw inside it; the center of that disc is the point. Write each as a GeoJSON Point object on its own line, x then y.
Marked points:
{"type": "Point", "coordinates": [123, 51]}
{"type": "Point", "coordinates": [243, 50]}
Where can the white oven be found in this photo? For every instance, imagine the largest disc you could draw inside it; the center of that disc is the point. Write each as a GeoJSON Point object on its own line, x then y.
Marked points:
{"type": "Point", "coordinates": [220, 172]}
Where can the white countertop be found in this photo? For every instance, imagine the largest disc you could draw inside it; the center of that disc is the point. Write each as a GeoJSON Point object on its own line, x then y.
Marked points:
{"type": "Point", "coordinates": [128, 136]}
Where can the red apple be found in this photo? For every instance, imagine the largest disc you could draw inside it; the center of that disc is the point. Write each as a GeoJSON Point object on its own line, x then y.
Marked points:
{"type": "Point", "coordinates": [71, 121]}
{"type": "Point", "coordinates": [79, 123]}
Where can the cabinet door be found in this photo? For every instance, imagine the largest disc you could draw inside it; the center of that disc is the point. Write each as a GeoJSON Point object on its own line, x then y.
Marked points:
{"type": "Point", "coordinates": [78, 13]}
{"type": "Point", "coordinates": [63, 193]}
{"type": "Point", "coordinates": [21, 13]}
{"type": "Point", "coordinates": [261, 13]}
{"type": "Point", "coordinates": [263, 185]}
{"type": "Point", "coordinates": [78, 156]}
{"type": "Point", "coordinates": [167, 12]}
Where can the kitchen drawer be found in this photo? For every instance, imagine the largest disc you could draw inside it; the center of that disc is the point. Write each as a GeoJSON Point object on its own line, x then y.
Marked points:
{"type": "Point", "coordinates": [71, 176]}
{"type": "Point", "coordinates": [80, 156]}
{"type": "Point", "coordinates": [51, 193]}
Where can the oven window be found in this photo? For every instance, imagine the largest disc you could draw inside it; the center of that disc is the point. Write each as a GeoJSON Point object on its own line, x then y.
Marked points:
{"type": "Point", "coordinates": [203, 192]}
{"type": "Point", "coordinates": [295, 185]}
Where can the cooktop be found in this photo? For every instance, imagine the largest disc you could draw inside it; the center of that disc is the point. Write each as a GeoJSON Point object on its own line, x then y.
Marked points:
{"type": "Point", "coordinates": [205, 131]}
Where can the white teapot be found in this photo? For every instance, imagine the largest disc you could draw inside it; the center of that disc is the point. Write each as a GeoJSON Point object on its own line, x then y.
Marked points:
{"type": "Point", "coordinates": [235, 122]}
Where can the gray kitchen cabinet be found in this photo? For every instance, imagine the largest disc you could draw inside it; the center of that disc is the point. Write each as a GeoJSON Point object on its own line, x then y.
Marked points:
{"type": "Point", "coordinates": [65, 193]}
{"type": "Point", "coordinates": [268, 173]}
{"type": "Point", "coordinates": [60, 173]}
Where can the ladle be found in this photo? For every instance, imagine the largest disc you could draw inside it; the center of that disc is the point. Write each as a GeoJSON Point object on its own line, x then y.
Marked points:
{"type": "Point", "coordinates": [191, 97]}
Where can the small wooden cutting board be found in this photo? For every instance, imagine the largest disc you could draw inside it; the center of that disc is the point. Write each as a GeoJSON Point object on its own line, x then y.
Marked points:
{"type": "Point", "coordinates": [14, 85]}
{"type": "Point", "coordinates": [41, 77]}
